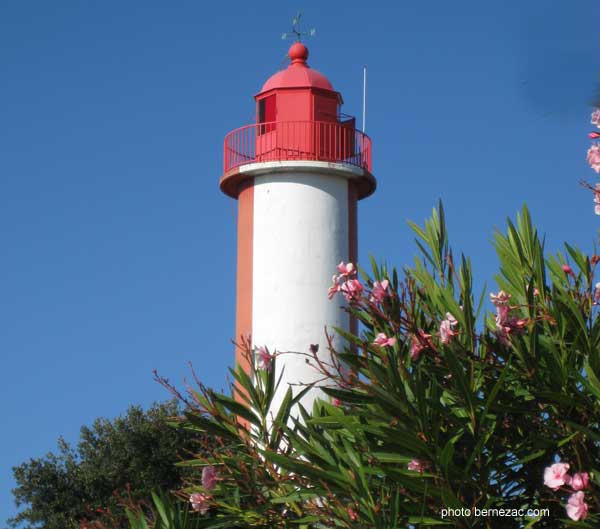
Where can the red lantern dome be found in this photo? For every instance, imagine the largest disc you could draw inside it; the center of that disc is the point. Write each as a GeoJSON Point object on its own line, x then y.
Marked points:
{"type": "Point", "coordinates": [298, 74]}
{"type": "Point", "coordinates": [298, 118]}
{"type": "Point", "coordinates": [298, 93]}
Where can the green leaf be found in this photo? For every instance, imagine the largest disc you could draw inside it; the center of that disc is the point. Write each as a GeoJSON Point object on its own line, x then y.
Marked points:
{"type": "Point", "coordinates": [238, 408]}
{"type": "Point", "coordinates": [423, 520]}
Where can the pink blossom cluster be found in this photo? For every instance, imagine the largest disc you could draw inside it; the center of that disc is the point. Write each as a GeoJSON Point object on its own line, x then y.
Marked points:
{"type": "Point", "coordinates": [346, 283]}
{"type": "Point", "coordinates": [505, 324]}
{"type": "Point", "coordinates": [597, 294]}
{"type": "Point", "coordinates": [417, 465]}
{"type": "Point", "coordinates": [382, 340]}
{"type": "Point", "coordinates": [209, 477]}
{"type": "Point", "coordinates": [556, 476]}
{"type": "Point", "coordinates": [597, 199]}
{"type": "Point", "coordinates": [379, 291]}
{"type": "Point", "coordinates": [447, 328]}
{"type": "Point", "coordinates": [596, 117]}
{"type": "Point", "coordinates": [201, 500]}
{"type": "Point", "coordinates": [418, 343]}
{"type": "Point", "coordinates": [568, 270]}
{"type": "Point", "coordinates": [352, 514]}
{"type": "Point", "coordinates": [264, 359]}
{"type": "Point", "coordinates": [593, 157]}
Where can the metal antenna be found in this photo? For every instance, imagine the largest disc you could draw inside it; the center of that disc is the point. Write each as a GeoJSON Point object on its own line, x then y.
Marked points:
{"type": "Point", "coordinates": [295, 32]}
{"type": "Point", "coordinates": [364, 97]}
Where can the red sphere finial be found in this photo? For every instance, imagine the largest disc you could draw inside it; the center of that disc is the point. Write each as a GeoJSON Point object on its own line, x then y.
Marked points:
{"type": "Point", "coordinates": [298, 53]}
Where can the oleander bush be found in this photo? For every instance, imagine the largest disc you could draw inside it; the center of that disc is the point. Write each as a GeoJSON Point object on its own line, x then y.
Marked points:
{"type": "Point", "coordinates": [439, 413]}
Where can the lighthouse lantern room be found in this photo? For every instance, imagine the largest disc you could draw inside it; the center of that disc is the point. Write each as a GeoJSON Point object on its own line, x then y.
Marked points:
{"type": "Point", "coordinates": [297, 174]}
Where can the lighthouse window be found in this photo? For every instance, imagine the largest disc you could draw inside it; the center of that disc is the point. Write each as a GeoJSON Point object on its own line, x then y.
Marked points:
{"type": "Point", "coordinates": [267, 113]}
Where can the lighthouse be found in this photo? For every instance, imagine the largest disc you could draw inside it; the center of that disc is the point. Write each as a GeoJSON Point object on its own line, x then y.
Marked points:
{"type": "Point", "coordinates": [297, 174]}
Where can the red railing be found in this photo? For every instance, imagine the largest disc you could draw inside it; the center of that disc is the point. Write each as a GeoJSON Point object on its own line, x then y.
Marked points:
{"type": "Point", "coordinates": [326, 141]}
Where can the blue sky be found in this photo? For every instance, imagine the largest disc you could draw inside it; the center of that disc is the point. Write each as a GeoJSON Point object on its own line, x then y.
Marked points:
{"type": "Point", "coordinates": [118, 249]}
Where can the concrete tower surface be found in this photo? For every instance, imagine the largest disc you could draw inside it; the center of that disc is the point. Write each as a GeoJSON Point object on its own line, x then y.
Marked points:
{"type": "Point", "coordinates": [297, 174]}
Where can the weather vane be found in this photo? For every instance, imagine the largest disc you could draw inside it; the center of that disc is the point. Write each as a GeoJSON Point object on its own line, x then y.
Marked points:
{"type": "Point", "coordinates": [296, 29]}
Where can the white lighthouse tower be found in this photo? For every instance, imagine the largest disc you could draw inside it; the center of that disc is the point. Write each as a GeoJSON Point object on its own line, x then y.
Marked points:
{"type": "Point", "coordinates": [297, 174]}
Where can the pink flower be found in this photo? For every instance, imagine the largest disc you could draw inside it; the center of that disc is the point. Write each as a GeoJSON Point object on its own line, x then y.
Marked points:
{"type": "Point", "coordinates": [597, 199]}
{"type": "Point", "coordinates": [501, 298]}
{"type": "Point", "coordinates": [510, 327]}
{"type": "Point", "coordinates": [594, 135]}
{"type": "Point", "coordinates": [265, 359]}
{"type": "Point", "coordinates": [352, 514]}
{"type": "Point", "coordinates": [209, 477]}
{"type": "Point", "coordinates": [418, 344]}
{"type": "Point", "coordinates": [382, 340]}
{"type": "Point", "coordinates": [415, 349]}
{"type": "Point", "coordinates": [505, 324]}
{"type": "Point", "coordinates": [334, 288]}
{"type": "Point", "coordinates": [416, 465]}
{"type": "Point", "coordinates": [503, 333]}
{"type": "Point", "coordinates": [576, 507]}
{"type": "Point", "coordinates": [336, 402]}
{"type": "Point", "coordinates": [447, 328]}
{"type": "Point", "coordinates": [200, 502]}
{"type": "Point", "coordinates": [568, 270]}
{"type": "Point", "coordinates": [580, 481]}
{"type": "Point", "coordinates": [500, 301]}
{"type": "Point", "coordinates": [351, 289]}
{"type": "Point", "coordinates": [593, 157]}
{"type": "Point", "coordinates": [379, 291]}
{"type": "Point", "coordinates": [596, 118]}
{"type": "Point", "coordinates": [517, 324]}
{"type": "Point", "coordinates": [346, 270]}
{"type": "Point", "coordinates": [555, 476]}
